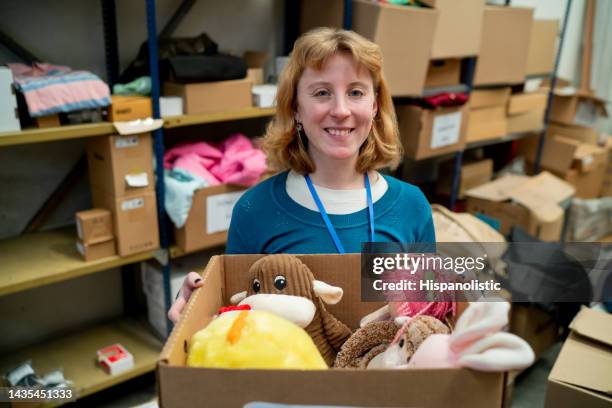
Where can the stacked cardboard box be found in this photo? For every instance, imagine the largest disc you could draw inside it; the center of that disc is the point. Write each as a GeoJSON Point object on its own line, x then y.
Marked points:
{"type": "Point", "coordinates": [526, 111]}
{"type": "Point", "coordinates": [95, 234]}
{"type": "Point", "coordinates": [537, 204]}
{"type": "Point", "coordinates": [124, 107]}
{"type": "Point", "coordinates": [504, 47]}
{"type": "Point", "coordinates": [473, 174]}
{"type": "Point", "coordinates": [121, 180]}
{"type": "Point", "coordinates": [431, 132]}
{"type": "Point", "coordinates": [581, 375]}
{"type": "Point", "coordinates": [487, 114]}
{"type": "Point", "coordinates": [542, 47]}
{"type": "Point", "coordinates": [209, 217]}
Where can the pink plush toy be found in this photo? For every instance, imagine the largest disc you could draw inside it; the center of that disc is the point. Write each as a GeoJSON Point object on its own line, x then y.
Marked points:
{"type": "Point", "coordinates": [476, 343]}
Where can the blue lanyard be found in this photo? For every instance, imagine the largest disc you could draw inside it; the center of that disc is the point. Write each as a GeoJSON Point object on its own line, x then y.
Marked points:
{"type": "Point", "coordinates": [330, 227]}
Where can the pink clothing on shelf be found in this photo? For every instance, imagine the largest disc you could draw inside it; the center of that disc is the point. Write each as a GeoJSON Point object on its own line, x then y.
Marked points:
{"type": "Point", "coordinates": [235, 161]}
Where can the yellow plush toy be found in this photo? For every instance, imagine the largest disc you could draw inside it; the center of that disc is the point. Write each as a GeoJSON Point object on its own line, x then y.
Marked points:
{"type": "Point", "coordinates": [253, 339]}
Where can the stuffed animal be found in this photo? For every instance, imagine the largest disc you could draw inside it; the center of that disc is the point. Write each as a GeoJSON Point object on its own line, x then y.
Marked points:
{"type": "Point", "coordinates": [253, 339]}
{"type": "Point", "coordinates": [385, 344]}
{"type": "Point", "coordinates": [476, 343]}
{"type": "Point", "coordinates": [282, 284]}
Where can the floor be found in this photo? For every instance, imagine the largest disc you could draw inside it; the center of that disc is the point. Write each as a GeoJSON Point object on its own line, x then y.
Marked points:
{"type": "Point", "coordinates": [529, 389]}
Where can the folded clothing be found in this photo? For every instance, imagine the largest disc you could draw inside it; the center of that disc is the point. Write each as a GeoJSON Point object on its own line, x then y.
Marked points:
{"type": "Point", "coordinates": [49, 89]}
{"type": "Point", "coordinates": [180, 186]}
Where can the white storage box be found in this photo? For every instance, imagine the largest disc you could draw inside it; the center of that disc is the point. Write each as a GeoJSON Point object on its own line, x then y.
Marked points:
{"type": "Point", "coordinates": [264, 96]}
{"type": "Point", "coordinates": [9, 118]}
{"type": "Point", "coordinates": [170, 106]}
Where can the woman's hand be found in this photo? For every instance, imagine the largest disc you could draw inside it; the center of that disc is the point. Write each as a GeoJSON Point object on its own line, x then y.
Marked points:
{"type": "Point", "coordinates": [192, 281]}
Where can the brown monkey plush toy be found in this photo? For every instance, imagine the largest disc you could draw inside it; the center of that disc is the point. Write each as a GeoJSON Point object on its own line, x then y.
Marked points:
{"type": "Point", "coordinates": [282, 284]}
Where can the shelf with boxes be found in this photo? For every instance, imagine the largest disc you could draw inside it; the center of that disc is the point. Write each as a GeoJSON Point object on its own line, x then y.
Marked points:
{"type": "Point", "coordinates": [55, 133]}
{"type": "Point", "coordinates": [75, 354]}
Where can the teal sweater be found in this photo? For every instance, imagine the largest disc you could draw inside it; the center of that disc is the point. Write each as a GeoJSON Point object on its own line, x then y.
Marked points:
{"type": "Point", "coordinates": [266, 221]}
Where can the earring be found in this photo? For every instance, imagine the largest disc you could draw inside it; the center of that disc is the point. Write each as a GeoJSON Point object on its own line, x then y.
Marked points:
{"type": "Point", "coordinates": [299, 126]}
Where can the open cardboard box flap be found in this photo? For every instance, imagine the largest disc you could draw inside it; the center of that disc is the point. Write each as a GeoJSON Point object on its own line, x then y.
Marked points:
{"type": "Point", "coordinates": [541, 194]}
{"type": "Point", "coordinates": [571, 92]}
{"type": "Point", "coordinates": [225, 275]}
{"type": "Point", "coordinates": [586, 357]}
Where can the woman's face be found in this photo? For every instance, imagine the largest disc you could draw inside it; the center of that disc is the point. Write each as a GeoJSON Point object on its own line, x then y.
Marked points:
{"type": "Point", "coordinates": [336, 106]}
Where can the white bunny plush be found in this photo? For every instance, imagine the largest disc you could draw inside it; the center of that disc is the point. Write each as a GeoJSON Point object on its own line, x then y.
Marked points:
{"type": "Point", "coordinates": [476, 343]}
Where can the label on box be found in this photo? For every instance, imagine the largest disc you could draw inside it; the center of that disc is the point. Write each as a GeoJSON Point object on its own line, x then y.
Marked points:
{"type": "Point", "coordinates": [132, 204]}
{"type": "Point", "coordinates": [126, 141]}
{"type": "Point", "coordinates": [219, 211]}
{"type": "Point", "coordinates": [445, 130]}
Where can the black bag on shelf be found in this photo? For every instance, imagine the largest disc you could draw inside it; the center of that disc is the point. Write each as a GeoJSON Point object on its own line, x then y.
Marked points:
{"type": "Point", "coordinates": [167, 48]}
{"type": "Point", "coordinates": [205, 68]}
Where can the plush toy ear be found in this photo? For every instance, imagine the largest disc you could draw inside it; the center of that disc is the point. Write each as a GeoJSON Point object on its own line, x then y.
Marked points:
{"type": "Point", "coordinates": [328, 293]}
{"type": "Point", "coordinates": [376, 316]}
{"type": "Point", "coordinates": [238, 297]}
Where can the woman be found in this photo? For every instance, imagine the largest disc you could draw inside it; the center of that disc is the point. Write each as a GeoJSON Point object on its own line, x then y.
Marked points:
{"type": "Point", "coordinates": [334, 127]}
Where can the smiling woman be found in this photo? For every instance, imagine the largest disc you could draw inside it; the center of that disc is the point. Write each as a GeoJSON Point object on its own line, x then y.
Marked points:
{"type": "Point", "coordinates": [334, 127]}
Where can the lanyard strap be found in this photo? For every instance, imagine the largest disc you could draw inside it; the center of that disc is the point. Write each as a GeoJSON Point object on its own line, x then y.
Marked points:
{"type": "Point", "coordinates": [328, 224]}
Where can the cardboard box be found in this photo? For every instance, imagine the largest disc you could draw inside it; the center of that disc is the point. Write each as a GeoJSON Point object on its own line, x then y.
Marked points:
{"type": "Point", "coordinates": [134, 220]}
{"type": "Point", "coordinates": [581, 375]}
{"type": "Point", "coordinates": [428, 133]}
{"type": "Point", "coordinates": [486, 123]}
{"type": "Point", "coordinates": [396, 30]}
{"type": "Point", "coordinates": [486, 98]}
{"type": "Point", "coordinates": [459, 28]}
{"type": "Point", "coordinates": [581, 164]}
{"type": "Point", "coordinates": [473, 174]}
{"type": "Point", "coordinates": [542, 47]}
{"type": "Point", "coordinates": [129, 107]}
{"type": "Point", "coordinates": [311, 15]}
{"type": "Point", "coordinates": [181, 386]}
{"type": "Point", "coordinates": [579, 133]}
{"type": "Point", "coordinates": [535, 326]}
{"type": "Point", "coordinates": [47, 121]}
{"type": "Point", "coordinates": [443, 73]}
{"type": "Point", "coordinates": [526, 112]}
{"type": "Point", "coordinates": [570, 107]}
{"type": "Point", "coordinates": [120, 165]}
{"type": "Point", "coordinates": [209, 217]}
{"type": "Point", "coordinates": [212, 97]}
{"type": "Point", "coordinates": [95, 225]}
{"type": "Point", "coordinates": [9, 116]}
{"type": "Point", "coordinates": [99, 250]}
{"type": "Point", "coordinates": [506, 32]}
{"type": "Point", "coordinates": [534, 203]}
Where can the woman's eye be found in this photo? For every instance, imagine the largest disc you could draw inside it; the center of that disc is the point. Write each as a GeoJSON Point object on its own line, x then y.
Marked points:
{"type": "Point", "coordinates": [280, 282]}
{"type": "Point", "coordinates": [322, 92]}
{"type": "Point", "coordinates": [256, 285]}
{"type": "Point", "coordinates": [356, 93]}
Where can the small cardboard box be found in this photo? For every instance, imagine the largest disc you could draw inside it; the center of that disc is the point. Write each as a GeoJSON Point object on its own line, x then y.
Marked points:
{"type": "Point", "coordinates": [486, 123]}
{"type": "Point", "coordinates": [535, 203]}
{"type": "Point", "coordinates": [129, 107]}
{"type": "Point", "coordinates": [209, 217]}
{"type": "Point", "coordinates": [459, 29]}
{"type": "Point", "coordinates": [120, 165]}
{"type": "Point", "coordinates": [570, 107]}
{"type": "Point", "coordinates": [181, 386]}
{"type": "Point", "coordinates": [212, 97]}
{"type": "Point", "coordinates": [443, 73]}
{"type": "Point", "coordinates": [99, 250]}
{"type": "Point", "coordinates": [473, 174]}
{"type": "Point", "coordinates": [526, 112]}
{"type": "Point", "coordinates": [506, 32]}
{"type": "Point", "coordinates": [134, 219]}
{"type": "Point", "coordinates": [428, 133]}
{"type": "Point", "coordinates": [390, 26]}
{"type": "Point", "coordinates": [486, 98]}
{"type": "Point", "coordinates": [582, 374]}
{"type": "Point", "coordinates": [542, 47]}
{"type": "Point", "coordinates": [95, 225]}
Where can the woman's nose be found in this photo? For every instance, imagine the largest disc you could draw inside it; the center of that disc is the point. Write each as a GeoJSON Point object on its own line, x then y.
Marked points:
{"type": "Point", "coordinates": [340, 108]}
